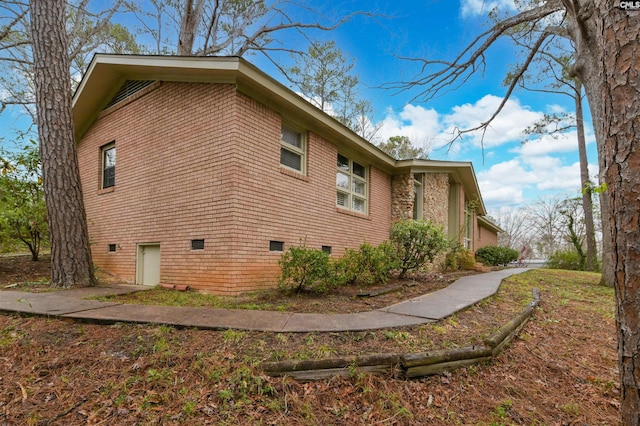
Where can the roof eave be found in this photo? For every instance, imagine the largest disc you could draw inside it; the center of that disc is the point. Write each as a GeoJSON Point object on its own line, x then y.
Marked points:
{"type": "Point", "coordinates": [461, 171]}
{"type": "Point", "coordinates": [106, 73]}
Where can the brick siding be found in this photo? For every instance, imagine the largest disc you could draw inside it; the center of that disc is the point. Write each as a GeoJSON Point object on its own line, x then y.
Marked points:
{"type": "Point", "coordinates": [201, 161]}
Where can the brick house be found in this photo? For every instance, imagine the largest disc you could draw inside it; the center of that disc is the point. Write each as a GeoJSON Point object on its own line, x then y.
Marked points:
{"type": "Point", "coordinates": [220, 168]}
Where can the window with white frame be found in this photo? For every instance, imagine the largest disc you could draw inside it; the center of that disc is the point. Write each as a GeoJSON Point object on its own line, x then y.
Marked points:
{"type": "Point", "coordinates": [351, 185]}
{"type": "Point", "coordinates": [292, 149]}
{"type": "Point", "coordinates": [108, 165]}
{"type": "Point", "coordinates": [468, 226]}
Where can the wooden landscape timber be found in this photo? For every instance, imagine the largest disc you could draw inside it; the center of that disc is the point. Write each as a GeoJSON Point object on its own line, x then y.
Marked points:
{"type": "Point", "coordinates": [405, 365]}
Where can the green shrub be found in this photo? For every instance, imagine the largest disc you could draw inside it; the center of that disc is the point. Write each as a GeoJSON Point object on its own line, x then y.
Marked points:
{"type": "Point", "coordinates": [459, 258]}
{"type": "Point", "coordinates": [496, 256]}
{"type": "Point", "coordinates": [564, 259]}
{"type": "Point", "coordinates": [369, 265]}
{"type": "Point", "coordinates": [305, 269]}
{"type": "Point", "coordinates": [416, 242]}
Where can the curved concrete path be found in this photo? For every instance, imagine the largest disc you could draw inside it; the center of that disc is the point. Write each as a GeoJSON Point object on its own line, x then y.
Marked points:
{"type": "Point", "coordinates": [420, 310]}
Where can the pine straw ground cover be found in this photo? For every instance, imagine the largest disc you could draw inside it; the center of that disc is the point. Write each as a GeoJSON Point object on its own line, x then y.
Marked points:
{"type": "Point", "coordinates": [560, 371]}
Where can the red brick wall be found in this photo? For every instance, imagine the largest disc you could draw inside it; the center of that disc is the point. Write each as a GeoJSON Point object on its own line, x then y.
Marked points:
{"type": "Point", "coordinates": [199, 161]}
{"type": "Point", "coordinates": [485, 237]}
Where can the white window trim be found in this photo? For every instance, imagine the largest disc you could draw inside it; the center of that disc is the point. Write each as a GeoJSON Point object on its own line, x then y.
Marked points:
{"type": "Point", "coordinates": [302, 151]}
{"type": "Point", "coordinates": [103, 151]}
{"type": "Point", "coordinates": [468, 227]}
{"type": "Point", "coordinates": [350, 193]}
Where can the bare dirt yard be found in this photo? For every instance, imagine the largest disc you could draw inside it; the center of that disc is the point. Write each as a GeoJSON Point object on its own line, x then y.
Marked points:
{"type": "Point", "coordinates": [561, 370]}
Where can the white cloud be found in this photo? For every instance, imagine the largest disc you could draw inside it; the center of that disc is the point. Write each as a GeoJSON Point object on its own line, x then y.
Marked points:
{"type": "Point", "coordinates": [549, 144]}
{"type": "Point", "coordinates": [505, 182]}
{"type": "Point", "coordinates": [481, 7]}
{"type": "Point", "coordinates": [426, 127]}
{"type": "Point", "coordinates": [506, 127]}
{"type": "Point", "coordinates": [509, 182]}
{"type": "Point", "coordinates": [561, 178]}
{"type": "Point", "coordinates": [501, 195]}
{"type": "Point", "coordinates": [418, 123]}
{"type": "Point", "coordinates": [517, 174]}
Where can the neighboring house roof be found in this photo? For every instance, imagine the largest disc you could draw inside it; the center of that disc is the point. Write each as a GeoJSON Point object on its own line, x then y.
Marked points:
{"type": "Point", "coordinates": [486, 223]}
{"type": "Point", "coordinates": [107, 73]}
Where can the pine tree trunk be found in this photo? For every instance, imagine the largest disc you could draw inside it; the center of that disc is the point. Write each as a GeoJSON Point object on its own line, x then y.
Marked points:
{"type": "Point", "coordinates": [70, 253]}
{"type": "Point", "coordinates": [587, 204]}
{"type": "Point", "coordinates": [607, 46]}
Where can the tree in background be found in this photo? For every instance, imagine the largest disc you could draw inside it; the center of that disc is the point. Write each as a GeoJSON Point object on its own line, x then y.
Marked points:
{"type": "Point", "coordinates": [575, 225]}
{"type": "Point", "coordinates": [362, 123]}
{"type": "Point", "coordinates": [552, 74]}
{"type": "Point", "coordinates": [401, 148]}
{"type": "Point", "coordinates": [71, 263]}
{"type": "Point", "coordinates": [516, 229]}
{"type": "Point", "coordinates": [23, 215]}
{"type": "Point", "coordinates": [545, 221]}
{"type": "Point", "coordinates": [230, 27]}
{"type": "Point", "coordinates": [324, 77]}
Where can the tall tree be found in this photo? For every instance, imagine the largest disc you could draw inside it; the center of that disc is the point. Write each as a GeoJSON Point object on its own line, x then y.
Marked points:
{"type": "Point", "coordinates": [70, 252]}
{"type": "Point", "coordinates": [605, 38]}
{"type": "Point", "coordinates": [553, 74]}
{"type": "Point", "coordinates": [324, 76]}
{"type": "Point", "coordinates": [401, 148]}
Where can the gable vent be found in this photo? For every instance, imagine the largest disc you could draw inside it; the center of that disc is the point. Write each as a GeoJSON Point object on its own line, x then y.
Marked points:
{"type": "Point", "coordinates": [129, 88]}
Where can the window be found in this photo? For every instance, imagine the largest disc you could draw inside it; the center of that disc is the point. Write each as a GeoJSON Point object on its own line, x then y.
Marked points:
{"type": "Point", "coordinates": [326, 249]}
{"type": "Point", "coordinates": [197, 244]}
{"type": "Point", "coordinates": [112, 248]}
{"type": "Point", "coordinates": [418, 197]}
{"type": "Point", "coordinates": [276, 246]}
{"type": "Point", "coordinates": [109, 165]}
{"type": "Point", "coordinates": [292, 149]}
{"type": "Point", "coordinates": [468, 226]}
{"type": "Point", "coordinates": [351, 183]}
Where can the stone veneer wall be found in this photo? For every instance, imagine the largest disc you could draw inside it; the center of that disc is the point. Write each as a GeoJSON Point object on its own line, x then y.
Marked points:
{"type": "Point", "coordinates": [402, 197]}
{"type": "Point", "coordinates": [436, 198]}
{"type": "Point", "coordinates": [435, 204]}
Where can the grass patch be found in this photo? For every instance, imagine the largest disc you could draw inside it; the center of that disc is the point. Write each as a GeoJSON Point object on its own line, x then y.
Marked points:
{"type": "Point", "coordinates": [166, 297]}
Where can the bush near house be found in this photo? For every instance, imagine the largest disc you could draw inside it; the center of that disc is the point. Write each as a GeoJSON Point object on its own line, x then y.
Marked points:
{"type": "Point", "coordinates": [496, 256]}
{"type": "Point", "coordinates": [368, 265]}
{"type": "Point", "coordinates": [413, 244]}
{"type": "Point", "coordinates": [459, 258]}
{"type": "Point", "coordinates": [305, 269]}
{"type": "Point", "coordinates": [417, 242]}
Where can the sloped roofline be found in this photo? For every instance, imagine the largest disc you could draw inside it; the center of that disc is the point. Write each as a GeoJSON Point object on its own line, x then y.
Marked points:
{"type": "Point", "coordinates": [486, 223]}
{"type": "Point", "coordinates": [107, 72]}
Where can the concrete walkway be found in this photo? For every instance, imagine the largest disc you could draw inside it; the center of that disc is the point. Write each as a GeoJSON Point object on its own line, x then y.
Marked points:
{"type": "Point", "coordinates": [420, 310]}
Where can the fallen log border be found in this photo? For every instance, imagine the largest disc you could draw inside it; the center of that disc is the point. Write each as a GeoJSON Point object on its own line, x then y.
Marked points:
{"type": "Point", "coordinates": [405, 365]}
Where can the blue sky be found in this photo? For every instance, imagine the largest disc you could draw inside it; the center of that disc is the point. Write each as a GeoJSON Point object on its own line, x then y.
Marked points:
{"type": "Point", "coordinates": [509, 174]}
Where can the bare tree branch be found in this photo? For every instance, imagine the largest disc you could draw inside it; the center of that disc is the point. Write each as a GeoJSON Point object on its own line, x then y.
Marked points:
{"type": "Point", "coordinates": [472, 58]}
{"type": "Point", "coordinates": [514, 82]}
{"type": "Point", "coordinates": [7, 30]}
